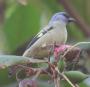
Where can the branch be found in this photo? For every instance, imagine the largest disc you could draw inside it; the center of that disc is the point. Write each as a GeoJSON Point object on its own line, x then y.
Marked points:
{"type": "Point", "coordinates": [65, 77]}
{"type": "Point", "coordinates": [72, 11]}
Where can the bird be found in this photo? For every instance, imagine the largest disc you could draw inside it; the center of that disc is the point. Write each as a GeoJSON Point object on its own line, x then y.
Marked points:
{"type": "Point", "coordinates": [54, 32]}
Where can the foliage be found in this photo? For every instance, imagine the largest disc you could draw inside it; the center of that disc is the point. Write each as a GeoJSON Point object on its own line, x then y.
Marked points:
{"type": "Point", "coordinates": [58, 70]}
{"type": "Point", "coordinates": [22, 20]}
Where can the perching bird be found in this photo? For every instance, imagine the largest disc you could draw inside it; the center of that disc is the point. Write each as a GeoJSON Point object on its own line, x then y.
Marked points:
{"type": "Point", "coordinates": [54, 32]}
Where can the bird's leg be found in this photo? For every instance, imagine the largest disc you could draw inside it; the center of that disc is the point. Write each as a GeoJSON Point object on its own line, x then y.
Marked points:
{"type": "Point", "coordinates": [49, 53]}
{"type": "Point", "coordinates": [55, 51]}
{"type": "Point", "coordinates": [51, 50]}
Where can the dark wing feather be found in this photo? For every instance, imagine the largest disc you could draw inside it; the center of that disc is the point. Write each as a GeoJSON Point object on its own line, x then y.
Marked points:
{"type": "Point", "coordinates": [38, 36]}
{"type": "Point", "coordinates": [32, 41]}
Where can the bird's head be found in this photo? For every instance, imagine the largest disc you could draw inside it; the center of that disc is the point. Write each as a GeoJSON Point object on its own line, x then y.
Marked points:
{"type": "Point", "coordinates": [62, 17]}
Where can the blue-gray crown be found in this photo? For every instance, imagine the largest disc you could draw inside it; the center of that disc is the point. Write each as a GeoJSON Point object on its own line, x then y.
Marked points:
{"type": "Point", "coordinates": [61, 16]}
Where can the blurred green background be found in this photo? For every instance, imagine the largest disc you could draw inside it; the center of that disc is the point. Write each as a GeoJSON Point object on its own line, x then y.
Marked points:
{"type": "Point", "coordinates": [20, 20]}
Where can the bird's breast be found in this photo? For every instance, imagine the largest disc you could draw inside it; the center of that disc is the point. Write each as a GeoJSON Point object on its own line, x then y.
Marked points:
{"type": "Point", "coordinates": [58, 35]}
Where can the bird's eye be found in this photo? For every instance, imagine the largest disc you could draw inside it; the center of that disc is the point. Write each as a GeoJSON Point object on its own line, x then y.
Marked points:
{"type": "Point", "coordinates": [50, 28]}
{"type": "Point", "coordinates": [66, 15]}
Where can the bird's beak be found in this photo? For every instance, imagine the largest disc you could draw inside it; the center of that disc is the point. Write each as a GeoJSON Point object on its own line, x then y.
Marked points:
{"type": "Point", "coordinates": [71, 20]}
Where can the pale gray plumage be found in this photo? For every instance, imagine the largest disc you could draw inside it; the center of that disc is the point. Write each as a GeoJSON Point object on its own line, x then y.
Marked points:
{"type": "Point", "coordinates": [54, 32]}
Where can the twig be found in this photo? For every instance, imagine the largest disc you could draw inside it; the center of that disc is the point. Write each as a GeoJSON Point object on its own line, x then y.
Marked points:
{"type": "Point", "coordinates": [32, 60]}
{"type": "Point", "coordinates": [17, 75]}
{"type": "Point", "coordinates": [37, 74]}
{"type": "Point", "coordinates": [73, 12]}
{"type": "Point", "coordinates": [65, 77]}
{"type": "Point", "coordinates": [57, 82]}
{"type": "Point", "coordinates": [75, 46]}
{"type": "Point", "coordinates": [77, 85]}
{"type": "Point", "coordinates": [35, 70]}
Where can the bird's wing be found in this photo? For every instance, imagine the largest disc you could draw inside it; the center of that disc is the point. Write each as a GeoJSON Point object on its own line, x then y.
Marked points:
{"type": "Point", "coordinates": [40, 34]}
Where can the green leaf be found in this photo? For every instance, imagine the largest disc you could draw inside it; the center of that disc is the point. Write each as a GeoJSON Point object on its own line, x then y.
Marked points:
{"type": "Point", "coordinates": [76, 76]}
{"type": "Point", "coordinates": [85, 82]}
{"type": "Point", "coordinates": [64, 83]}
{"type": "Point", "coordinates": [9, 60]}
{"type": "Point", "coordinates": [4, 79]}
{"type": "Point", "coordinates": [21, 25]}
{"type": "Point", "coordinates": [61, 65]}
